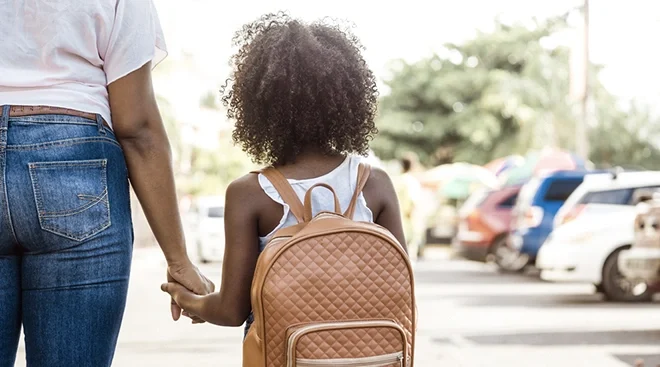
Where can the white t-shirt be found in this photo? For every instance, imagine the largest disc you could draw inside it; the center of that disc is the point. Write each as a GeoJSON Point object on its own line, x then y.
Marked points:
{"type": "Point", "coordinates": [64, 53]}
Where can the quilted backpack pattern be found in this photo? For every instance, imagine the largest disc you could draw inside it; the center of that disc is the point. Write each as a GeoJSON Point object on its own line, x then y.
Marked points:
{"type": "Point", "coordinates": [331, 291]}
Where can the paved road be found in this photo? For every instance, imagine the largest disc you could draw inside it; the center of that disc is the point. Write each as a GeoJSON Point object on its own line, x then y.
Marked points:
{"type": "Point", "coordinates": [469, 316]}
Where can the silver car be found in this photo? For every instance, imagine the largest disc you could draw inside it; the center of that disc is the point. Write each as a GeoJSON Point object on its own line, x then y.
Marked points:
{"type": "Point", "coordinates": [209, 229]}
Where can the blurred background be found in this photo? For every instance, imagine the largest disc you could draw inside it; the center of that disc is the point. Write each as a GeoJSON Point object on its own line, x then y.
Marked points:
{"type": "Point", "coordinates": [523, 137]}
{"type": "Point", "coordinates": [466, 81]}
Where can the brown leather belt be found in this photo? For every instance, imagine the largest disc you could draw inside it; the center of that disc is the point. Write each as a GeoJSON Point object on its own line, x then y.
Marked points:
{"type": "Point", "coordinates": [19, 111]}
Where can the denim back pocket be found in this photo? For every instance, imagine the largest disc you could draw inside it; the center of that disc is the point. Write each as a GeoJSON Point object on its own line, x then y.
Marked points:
{"type": "Point", "coordinates": [72, 197]}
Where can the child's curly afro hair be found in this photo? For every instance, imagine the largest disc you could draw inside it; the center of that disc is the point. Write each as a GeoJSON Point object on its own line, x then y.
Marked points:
{"type": "Point", "coordinates": [299, 86]}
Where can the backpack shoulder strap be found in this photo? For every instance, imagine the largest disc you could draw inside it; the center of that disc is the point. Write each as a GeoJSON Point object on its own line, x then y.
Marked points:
{"type": "Point", "coordinates": [364, 169]}
{"type": "Point", "coordinates": [281, 184]}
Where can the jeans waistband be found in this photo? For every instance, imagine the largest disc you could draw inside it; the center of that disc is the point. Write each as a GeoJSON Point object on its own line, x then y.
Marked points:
{"type": "Point", "coordinates": [19, 111]}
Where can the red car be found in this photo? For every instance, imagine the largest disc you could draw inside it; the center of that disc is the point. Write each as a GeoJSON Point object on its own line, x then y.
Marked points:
{"type": "Point", "coordinates": [484, 222]}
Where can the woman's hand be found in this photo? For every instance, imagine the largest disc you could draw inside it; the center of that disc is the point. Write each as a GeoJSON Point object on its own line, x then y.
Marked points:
{"type": "Point", "coordinates": [184, 299]}
{"type": "Point", "coordinates": [189, 277]}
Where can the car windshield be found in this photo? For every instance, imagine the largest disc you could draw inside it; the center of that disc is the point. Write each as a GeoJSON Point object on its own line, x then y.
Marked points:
{"type": "Point", "coordinates": [609, 197]}
{"type": "Point", "coordinates": [560, 190]}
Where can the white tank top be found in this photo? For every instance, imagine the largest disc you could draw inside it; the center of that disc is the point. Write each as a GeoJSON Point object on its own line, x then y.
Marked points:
{"type": "Point", "coordinates": [343, 180]}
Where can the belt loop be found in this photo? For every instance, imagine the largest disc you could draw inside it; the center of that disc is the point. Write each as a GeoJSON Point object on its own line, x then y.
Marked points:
{"type": "Point", "coordinates": [4, 119]}
{"type": "Point", "coordinates": [99, 122]}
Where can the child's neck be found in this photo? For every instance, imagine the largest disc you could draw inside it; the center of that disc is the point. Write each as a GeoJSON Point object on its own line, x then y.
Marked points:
{"type": "Point", "coordinates": [311, 164]}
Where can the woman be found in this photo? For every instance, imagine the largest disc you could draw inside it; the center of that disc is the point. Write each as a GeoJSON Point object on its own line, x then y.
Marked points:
{"type": "Point", "coordinates": [78, 117]}
{"type": "Point", "coordinates": [304, 101]}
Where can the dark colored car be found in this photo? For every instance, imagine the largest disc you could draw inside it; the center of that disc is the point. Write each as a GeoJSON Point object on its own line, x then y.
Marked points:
{"type": "Point", "coordinates": [533, 215]}
{"type": "Point", "coordinates": [484, 222]}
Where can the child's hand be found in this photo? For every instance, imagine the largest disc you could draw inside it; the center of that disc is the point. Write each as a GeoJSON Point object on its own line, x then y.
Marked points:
{"type": "Point", "coordinates": [194, 318]}
{"type": "Point", "coordinates": [187, 300]}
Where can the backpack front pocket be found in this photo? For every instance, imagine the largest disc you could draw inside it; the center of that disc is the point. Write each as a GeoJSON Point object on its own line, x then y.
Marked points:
{"type": "Point", "coordinates": [71, 197]}
{"type": "Point", "coordinates": [363, 343]}
{"type": "Point", "coordinates": [386, 360]}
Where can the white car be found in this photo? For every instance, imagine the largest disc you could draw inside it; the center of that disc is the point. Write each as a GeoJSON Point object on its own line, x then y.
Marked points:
{"type": "Point", "coordinates": [209, 228]}
{"type": "Point", "coordinates": [595, 224]}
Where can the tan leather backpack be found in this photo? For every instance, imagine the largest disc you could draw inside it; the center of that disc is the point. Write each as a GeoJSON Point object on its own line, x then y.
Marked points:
{"type": "Point", "coordinates": [330, 291]}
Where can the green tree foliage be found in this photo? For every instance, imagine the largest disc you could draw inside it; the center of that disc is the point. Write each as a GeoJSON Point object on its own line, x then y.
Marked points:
{"type": "Point", "coordinates": [212, 170]}
{"type": "Point", "coordinates": [201, 171]}
{"type": "Point", "coordinates": [626, 137]}
{"type": "Point", "coordinates": [502, 92]}
{"type": "Point", "coordinates": [209, 100]}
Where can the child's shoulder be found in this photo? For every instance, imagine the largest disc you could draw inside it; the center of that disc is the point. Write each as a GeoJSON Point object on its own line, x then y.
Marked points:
{"type": "Point", "coordinates": [379, 177]}
{"type": "Point", "coordinates": [379, 187]}
{"type": "Point", "coordinates": [245, 186]}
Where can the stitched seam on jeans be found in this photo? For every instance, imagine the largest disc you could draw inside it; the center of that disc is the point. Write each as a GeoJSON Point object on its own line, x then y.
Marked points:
{"type": "Point", "coordinates": [63, 143]}
{"type": "Point", "coordinates": [101, 163]}
{"type": "Point", "coordinates": [9, 218]}
{"type": "Point", "coordinates": [66, 234]}
{"type": "Point", "coordinates": [68, 213]}
{"type": "Point", "coordinates": [4, 188]}
{"type": "Point", "coordinates": [37, 194]}
{"type": "Point", "coordinates": [60, 119]}
{"type": "Point", "coordinates": [4, 127]}
{"type": "Point", "coordinates": [104, 179]}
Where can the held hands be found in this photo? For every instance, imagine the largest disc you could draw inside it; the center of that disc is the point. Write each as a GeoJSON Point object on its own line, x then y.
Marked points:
{"type": "Point", "coordinates": [186, 285]}
{"type": "Point", "coordinates": [182, 298]}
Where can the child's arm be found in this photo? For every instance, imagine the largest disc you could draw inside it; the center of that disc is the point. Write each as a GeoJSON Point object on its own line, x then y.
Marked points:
{"type": "Point", "coordinates": [380, 193]}
{"type": "Point", "coordinates": [208, 308]}
{"type": "Point", "coordinates": [231, 305]}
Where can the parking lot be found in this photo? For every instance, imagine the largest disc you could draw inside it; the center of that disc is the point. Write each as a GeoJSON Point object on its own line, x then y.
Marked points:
{"type": "Point", "coordinates": [469, 316]}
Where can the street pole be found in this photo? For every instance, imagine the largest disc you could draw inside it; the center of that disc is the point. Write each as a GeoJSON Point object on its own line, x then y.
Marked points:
{"type": "Point", "coordinates": [582, 137]}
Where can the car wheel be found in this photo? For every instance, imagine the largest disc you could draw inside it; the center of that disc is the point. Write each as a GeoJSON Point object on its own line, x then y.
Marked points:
{"type": "Point", "coordinates": [506, 259]}
{"type": "Point", "coordinates": [616, 287]}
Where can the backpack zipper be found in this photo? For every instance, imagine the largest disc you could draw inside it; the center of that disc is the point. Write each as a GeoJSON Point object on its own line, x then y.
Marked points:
{"type": "Point", "coordinates": [375, 361]}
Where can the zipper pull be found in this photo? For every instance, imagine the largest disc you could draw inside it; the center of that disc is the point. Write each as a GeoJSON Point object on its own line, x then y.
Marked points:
{"type": "Point", "coordinates": [401, 361]}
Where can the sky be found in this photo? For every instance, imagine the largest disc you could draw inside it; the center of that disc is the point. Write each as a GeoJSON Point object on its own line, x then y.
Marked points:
{"type": "Point", "coordinates": [622, 34]}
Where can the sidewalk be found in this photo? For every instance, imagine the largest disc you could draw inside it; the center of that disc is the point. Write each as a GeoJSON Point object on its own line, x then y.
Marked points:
{"type": "Point", "coordinates": [449, 321]}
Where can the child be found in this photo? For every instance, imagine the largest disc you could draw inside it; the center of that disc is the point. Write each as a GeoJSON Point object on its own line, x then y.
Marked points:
{"type": "Point", "coordinates": [304, 101]}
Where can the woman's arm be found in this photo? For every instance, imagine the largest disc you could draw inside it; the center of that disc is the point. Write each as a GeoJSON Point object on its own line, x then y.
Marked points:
{"type": "Point", "coordinates": [139, 129]}
{"type": "Point", "coordinates": [231, 305]}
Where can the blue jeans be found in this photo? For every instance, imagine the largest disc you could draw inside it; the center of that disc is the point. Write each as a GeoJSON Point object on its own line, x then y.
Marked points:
{"type": "Point", "coordinates": [66, 240]}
